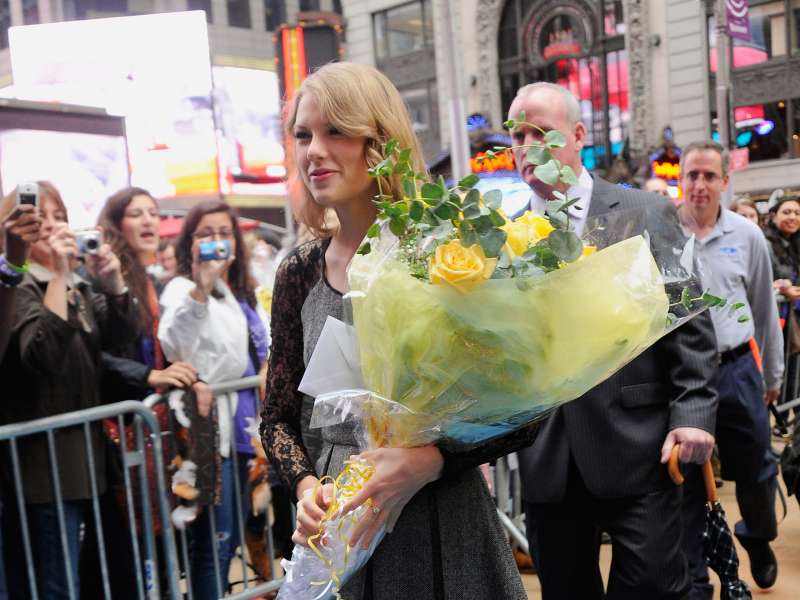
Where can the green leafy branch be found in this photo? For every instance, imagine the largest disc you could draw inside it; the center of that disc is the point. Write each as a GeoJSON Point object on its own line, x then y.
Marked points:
{"type": "Point", "coordinates": [707, 300]}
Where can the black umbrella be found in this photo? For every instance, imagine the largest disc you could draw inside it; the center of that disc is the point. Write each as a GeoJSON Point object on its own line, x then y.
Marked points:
{"type": "Point", "coordinates": [720, 553]}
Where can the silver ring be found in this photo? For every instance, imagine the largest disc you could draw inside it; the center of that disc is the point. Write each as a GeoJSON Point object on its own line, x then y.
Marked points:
{"type": "Point", "coordinates": [376, 510]}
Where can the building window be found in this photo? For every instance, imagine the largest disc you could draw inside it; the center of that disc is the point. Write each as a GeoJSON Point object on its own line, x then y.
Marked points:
{"type": "Point", "coordinates": [761, 128]}
{"type": "Point", "coordinates": [200, 5]}
{"type": "Point", "coordinates": [403, 29]}
{"type": "Point", "coordinates": [580, 46]}
{"type": "Point", "coordinates": [30, 12]}
{"type": "Point", "coordinates": [239, 13]}
{"type": "Point", "coordinates": [418, 100]}
{"type": "Point", "coordinates": [309, 5]}
{"type": "Point", "coordinates": [795, 130]}
{"type": "Point", "coordinates": [794, 32]}
{"type": "Point", "coordinates": [274, 13]}
{"type": "Point", "coordinates": [337, 7]}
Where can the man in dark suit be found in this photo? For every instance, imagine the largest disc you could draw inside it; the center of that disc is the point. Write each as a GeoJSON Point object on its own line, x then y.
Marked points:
{"type": "Point", "coordinates": [597, 464]}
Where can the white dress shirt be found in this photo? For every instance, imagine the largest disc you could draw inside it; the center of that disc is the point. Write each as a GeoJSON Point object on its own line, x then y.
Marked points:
{"type": "Point", "coordinates": [578, 211]}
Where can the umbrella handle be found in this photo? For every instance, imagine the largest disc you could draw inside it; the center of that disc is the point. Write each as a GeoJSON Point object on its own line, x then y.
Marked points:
{"type": "Point", "coordinates": [675, 474]}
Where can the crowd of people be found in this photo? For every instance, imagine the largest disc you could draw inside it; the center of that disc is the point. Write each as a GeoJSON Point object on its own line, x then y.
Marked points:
{"type": "Point", "coordinates": [138, 315]}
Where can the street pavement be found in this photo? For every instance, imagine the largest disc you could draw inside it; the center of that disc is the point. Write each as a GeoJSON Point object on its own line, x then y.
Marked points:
{"type": "Point", "coordinates": [786, 547]}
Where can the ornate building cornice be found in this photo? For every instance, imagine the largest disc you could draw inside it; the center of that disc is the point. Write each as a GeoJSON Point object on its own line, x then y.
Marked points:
{"type": "Point", "coordinates": [487, 26]}
{"type": "Point", "coordinates": [637, 44]}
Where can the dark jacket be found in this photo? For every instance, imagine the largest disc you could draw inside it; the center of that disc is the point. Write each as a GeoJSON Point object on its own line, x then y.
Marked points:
{"type": "Point", "coordinates": [614, 433]}
{"type": "Point", "coordinates": [784, 253]}
{"type": "Point", "coordinates": [56, 367]}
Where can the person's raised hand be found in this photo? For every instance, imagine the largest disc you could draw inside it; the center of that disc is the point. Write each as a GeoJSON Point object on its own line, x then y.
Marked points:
{"type": "Point", "coordinates": [311, 506]}
{"type": "Point", "coordinates": [21, 227]}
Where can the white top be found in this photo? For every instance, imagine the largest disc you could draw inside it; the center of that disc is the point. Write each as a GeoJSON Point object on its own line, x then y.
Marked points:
{"type": "Point", "coordinates": [578, 211]}
{"type": "Point", "coordinates": [211, 336]}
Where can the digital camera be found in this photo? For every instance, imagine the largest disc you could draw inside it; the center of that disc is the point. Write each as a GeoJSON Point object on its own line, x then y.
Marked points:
{"type": "Point", "coordinates": [215, 250]}
{"type": "Point", "coordinates": [28, 193]}
{"type": "Point", "coordinates": [89, 241]}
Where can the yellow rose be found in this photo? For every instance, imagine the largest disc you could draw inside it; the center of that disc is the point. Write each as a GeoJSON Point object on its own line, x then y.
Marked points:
{"type": "Point", "coordinates": [454, 264]}
{"type": "Point", "coordinates": [588, 251]}
{"type": "Point", "coordinates": [520, 237]}
{"type": "Point", "coordinates": [541, 226]}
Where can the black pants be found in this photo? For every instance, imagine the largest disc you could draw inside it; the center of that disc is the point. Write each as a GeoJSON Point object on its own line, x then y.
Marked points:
{"type": "Point", "coordinates": [743, 437]}
{"type": "Point", "coordinates": [646, 544]}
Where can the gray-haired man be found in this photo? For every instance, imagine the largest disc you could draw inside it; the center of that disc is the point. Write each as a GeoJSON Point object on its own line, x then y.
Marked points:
{"type": "Point", "coordinates": [596, 464]}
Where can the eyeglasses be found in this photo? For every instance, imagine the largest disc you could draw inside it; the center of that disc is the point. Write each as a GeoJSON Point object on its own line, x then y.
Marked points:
{"type": "Point", "coordinates": [205, 234]}
{"type": "Point", "coordinates": [706, 176]}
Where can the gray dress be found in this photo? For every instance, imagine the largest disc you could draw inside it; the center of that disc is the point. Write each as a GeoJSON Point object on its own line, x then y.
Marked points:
{"type": "Point", "coordinates": [448, 542]}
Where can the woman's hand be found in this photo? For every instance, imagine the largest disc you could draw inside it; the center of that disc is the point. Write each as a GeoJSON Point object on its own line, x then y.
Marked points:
{"type": "Point", "coordinates": [399, 474]}
{"type": "Point", "coordinates": [178, 374]}
{"type": "Point", "coordinates": [313, 501]}
{"type": "Point", "coordinates": [204, 396]}
{"type": "Point", "coordinates": [21, 226]}
{"type": "Point", "coordinates": [206, 273]}
{"type": "Point", "coordinates": [63, 248]}
{"type": "Point", "coordinates": [106, 270]}
{"type": "Point", "coordinates": [781, 284]}
{"type": "Point", "coordinates": [792, 293]}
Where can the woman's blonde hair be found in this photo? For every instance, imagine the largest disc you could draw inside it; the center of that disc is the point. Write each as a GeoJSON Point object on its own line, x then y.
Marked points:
{"type": "Point", "coordinates": [359, 101]}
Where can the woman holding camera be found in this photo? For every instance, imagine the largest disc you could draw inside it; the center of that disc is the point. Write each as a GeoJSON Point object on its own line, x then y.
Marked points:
{"type": "Point", "coordinates": [130, 221]}
{"type": "Point", "coordinates": [210, 320]}
{"type": "Point", "coordinates": [62, 325]}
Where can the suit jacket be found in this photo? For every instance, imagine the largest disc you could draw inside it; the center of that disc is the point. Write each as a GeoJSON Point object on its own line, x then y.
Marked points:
{"type": "Point", "coordinates": [614, 432]}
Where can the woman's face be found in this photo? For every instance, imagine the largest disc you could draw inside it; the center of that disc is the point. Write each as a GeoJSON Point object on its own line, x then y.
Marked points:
{"type": "Point", "coordinates": [216, 226]}
{"type": "Point", "coordinates": [51, 216]}
{"type": "Point", "coordinates": [139, 225]}
{"type": "Point", "coordinates": [787, 217]}
{"type": "Point", "coordinates": [331, 164]}
{"type": "Point", "coordinates": [748, 212]}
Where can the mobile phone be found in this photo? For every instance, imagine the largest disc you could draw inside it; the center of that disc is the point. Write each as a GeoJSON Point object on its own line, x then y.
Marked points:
{"type": "Point", "coordinates": [215, 250]}
{"type": "Point", "coordinates": [28, 193]}
{"type": "Point", "coordinates": [89, 241]}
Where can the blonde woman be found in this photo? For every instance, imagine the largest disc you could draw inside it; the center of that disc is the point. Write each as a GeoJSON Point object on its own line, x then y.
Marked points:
{"type": "Point", "coordinates": [445, 540]}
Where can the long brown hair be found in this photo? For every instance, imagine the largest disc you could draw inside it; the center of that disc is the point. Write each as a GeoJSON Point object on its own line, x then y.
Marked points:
{"type": "Point", "coordinates": [133, 270]}
{"type": "Point", "coordinates": [239, 279]}
{"type": "Point", "coordinates": [360, 102]}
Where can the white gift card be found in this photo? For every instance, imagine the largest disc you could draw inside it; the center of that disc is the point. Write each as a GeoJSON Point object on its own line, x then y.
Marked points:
{"type": "Point", "coordinates": [335, 364]}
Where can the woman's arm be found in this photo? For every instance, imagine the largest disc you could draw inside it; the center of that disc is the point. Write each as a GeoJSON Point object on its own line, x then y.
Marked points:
{"type": "Point", "coordinates": [280, 419]}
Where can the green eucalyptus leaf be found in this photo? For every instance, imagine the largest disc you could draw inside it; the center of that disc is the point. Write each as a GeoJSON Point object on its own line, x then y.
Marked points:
{"type": "Point", "coordinates": [547, 173]}
{"type": "Point", "coordinates": [473, 198]}
{"type": "Point", "coordinates": [455, 199]}
{"type": "Point", "coordinates": [390, 147]}
{"type": "Point", "coordinates": [492, 242]}
{"type": "Point", "coordinates": [493, 199]}
{"type": "Point", "coordinates": [686, 299]}
{"type": "Point", "coordinates": [743, 319]}
{"type": "Point", "coordinates": [431, 191]}
{"type": "Point", "coordinates": [559, 220]}
{"type": "Point", "coordinates": [568, 175]}
{"type": "Point", "coordinates": [416, 210]}
{"type": "Point", "coordinates": [497, 218]}
{"type": "Point", "coordinates": [397, 225]}
{"type": "Point", "coordinates": [566, 245]}
{"type": "Point", "coordinates": [409, 189]}
{"type": "Point", "coordinates": [555, 139]}
{"type": "Point", "coordinates": [538, 155]}
{"type": "Point", "coordinates": [509, 124]}
{"type": "Point", "coordinates": [405, 155]}
{"type": "Point", "coordinates": [504, 262]}
{"type": "Point", "coordinates": [364, 248]}
{"type": "Point", "coordinates": [471, 211]}
{"type": "Point", "coordinates": [469, 181]}
{"type": "Point", "coordinates": [374, 230]}
{"type": "Point", "coordinates": [554, 206]}
{"type": "Point", "coordinates": [445, 212]}
{"type": "Point", "coordinates": [401, 168]}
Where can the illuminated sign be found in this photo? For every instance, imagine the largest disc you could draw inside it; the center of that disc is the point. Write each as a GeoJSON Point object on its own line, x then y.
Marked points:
{"type": "Point", "coordinates": [666, 170]}
{"type": "Point", "coordinates": [565, 30]}
{"type": "Point", "coordinates": [502, 161]}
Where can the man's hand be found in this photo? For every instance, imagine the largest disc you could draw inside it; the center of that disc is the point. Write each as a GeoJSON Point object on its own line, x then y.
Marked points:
{"type": "Point", "coordinates": [696, 445]}
{"type": "Point", "coordinates": [771, 395]}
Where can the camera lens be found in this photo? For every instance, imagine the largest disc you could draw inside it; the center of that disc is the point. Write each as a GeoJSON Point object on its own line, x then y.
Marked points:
{"type": "Point", "coordinates": [91, 244]}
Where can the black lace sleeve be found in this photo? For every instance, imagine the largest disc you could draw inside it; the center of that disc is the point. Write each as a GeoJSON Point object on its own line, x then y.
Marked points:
{"type": "Point", "coordinates": [456, 462]}
{"type": "Point", "coordinates": [280, 419]}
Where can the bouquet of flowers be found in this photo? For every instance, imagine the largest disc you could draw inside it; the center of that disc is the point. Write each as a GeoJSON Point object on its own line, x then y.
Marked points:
{"type": "Point", "coordinates": [469, 325]}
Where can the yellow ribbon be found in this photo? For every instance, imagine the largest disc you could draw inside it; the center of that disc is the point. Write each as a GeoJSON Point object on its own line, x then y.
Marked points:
{"type": "Point", "coordinates": [346, 485]}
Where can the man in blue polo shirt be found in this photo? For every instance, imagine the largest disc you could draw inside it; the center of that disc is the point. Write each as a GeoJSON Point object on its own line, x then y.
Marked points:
{"type": "Point", "coordinates": [734, 257]}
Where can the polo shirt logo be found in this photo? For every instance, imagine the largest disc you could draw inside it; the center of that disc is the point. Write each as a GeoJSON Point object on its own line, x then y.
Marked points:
{"type": "Point", "coordinates": [729, 250]}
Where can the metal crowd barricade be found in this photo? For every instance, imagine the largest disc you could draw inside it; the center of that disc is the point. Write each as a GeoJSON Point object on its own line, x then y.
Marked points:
{"type": "Point", "coordinates": [223, 581]}
{"type": "Point", "coordinates": [507, 490]}
{"type": "Point", "coordinates": [146, 557]}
